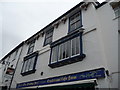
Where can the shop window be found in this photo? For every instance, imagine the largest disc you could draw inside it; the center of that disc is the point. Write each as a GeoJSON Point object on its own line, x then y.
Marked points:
{"type": "Point", "coordinates": [75, 22]}
{"type": "Point", "coordinates": [48, 37]}
{"type": "Point", "coordinates": [29, 64]}
{"type": "Point", "coordinates": [31, 47]}
{"type": "Point", "coordinates": [66, 50]}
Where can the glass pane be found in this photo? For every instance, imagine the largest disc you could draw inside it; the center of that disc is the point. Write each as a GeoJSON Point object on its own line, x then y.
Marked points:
{"type": "Point", "coordinates": [49, 34]}
{"type": "Point", "coordinates": [119, 11]}
{"type": "Point", "coordinates": [23, 68]}
{"type": "Point", "coordinates": [72, 21]}
{"type": "Point", "coordinates": [77, 17]}
{"type": "Point", "coordinates": [69, 48]}
{"type": "Point", "coordinates": [64, 53]}
{"type": "Point", "coordinates": [77, 24]}
{"type": "Point", "coordinates": [72, 27]}
{"type": "Point", "coordinates": [65, 49]}
{"type": "Point", "coordinates": [31, 64]}
{"type": "Point", "coordinates": [30, 50]}
{"type": "Point", "coordinates": [32, 44]}
{"type": "Point", "coordinates": [116, 13]}
{"type": "Point", "coordinates": [73, 47]}
{"type": "Point", "coordinates": [60, 52]}
{"type": "Point", "coordinates": [119, 23]}
{"type": "Point", "coordinates": [48, 40]}
{"type": "Point", "coordinates": [27, 65]}
{"type": "Point", "coordinates": [77, 45]}
{"type": "Point", "coordinates": [54, 54]}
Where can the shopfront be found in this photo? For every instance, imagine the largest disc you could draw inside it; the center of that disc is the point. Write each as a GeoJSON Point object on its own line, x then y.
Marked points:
{"type": "Point", "coordinates": [81, 81]}
{"type": "Point", "coordinates": [83, 85]}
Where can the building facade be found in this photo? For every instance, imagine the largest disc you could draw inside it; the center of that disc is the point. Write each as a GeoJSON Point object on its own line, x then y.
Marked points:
{"type": "Point", "coordinates": [77, 50]}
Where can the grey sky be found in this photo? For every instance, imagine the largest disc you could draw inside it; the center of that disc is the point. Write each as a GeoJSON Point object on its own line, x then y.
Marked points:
{"type": "Point", "coordinates": [19, 19]}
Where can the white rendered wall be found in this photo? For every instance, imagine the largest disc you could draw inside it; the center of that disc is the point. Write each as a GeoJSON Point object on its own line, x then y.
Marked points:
{"type": "Point", "coordinates": [96, 46]}
{"type": "Point", "coordinates": [109, 33]}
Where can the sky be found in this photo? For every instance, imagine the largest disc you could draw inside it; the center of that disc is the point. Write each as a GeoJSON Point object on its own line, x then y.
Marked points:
{"type": "Point", "coordinates": [20, 19]}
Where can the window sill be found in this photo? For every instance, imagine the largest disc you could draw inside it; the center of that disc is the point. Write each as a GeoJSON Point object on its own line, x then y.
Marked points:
{"type": "Point", "coordinates": [76, 30]}
{"type": "Point", "coordinates": [28, 72]}
{"type": "Point", "coordinates": [67, 61]}
{"type": "Point", "coordinates": [32, 54]}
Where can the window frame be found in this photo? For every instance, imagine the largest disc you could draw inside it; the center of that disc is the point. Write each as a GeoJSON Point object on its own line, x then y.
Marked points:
{"type": "Point", "coordinates": [117, 9]}
{"type": "Point", "coordinates": [46, 37]}
{"type": "Point", "coordinates": [80, 19]}
{"type": "Point", "coordinates": [26, 59]}
{"type": "Point", "coordinates": [15, 54]}
{"type": "Point", "coordinates": [31, 45]}
{"type": "Point", "coordinates": [71, 59]}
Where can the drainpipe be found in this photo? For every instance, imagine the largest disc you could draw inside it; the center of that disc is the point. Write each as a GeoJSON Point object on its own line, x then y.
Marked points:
{"type": "Point", "coordinates": [15, 67]}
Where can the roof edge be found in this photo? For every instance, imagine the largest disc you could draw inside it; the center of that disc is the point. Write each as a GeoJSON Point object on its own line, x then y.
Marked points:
{"type": "Point", "coordinates": [18, 46]}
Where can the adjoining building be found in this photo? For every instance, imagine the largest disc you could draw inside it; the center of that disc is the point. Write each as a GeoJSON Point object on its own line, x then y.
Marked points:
{"type": "Point", "coordinates": [77, 50]}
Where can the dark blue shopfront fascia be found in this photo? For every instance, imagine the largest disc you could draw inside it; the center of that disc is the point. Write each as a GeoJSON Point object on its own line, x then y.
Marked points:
{"type": "Point", "coordinates": [91, 74]}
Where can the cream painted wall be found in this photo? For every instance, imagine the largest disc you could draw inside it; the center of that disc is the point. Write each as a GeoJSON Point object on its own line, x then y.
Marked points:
{"type": "Point", "coordinates": [100, 44]}
{"type": "Point", "coordinates": [109, 33]}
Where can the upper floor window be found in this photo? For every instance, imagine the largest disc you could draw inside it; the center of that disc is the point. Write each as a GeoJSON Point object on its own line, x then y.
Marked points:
{"type": "Point", "coordinates": [67, 50]}
{"type": "Point", "coordinates": [29, 64]}
{"type": "Point", "coordinates": [15, 55]}
{"type": "Point", "coordinates": [75, 22]}
{"type": "Point", "coordinates": [48, 37]}
{"type": "Point", "coordinates": [117, 14]}
{"type": "Point", "coordinates": [117, 11]}
{"type": "Point", "coordinates": [31, 47]}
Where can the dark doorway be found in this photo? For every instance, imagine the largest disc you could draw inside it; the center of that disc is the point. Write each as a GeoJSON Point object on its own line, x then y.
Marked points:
{"type": "Point", "coordinates": [85, 86]}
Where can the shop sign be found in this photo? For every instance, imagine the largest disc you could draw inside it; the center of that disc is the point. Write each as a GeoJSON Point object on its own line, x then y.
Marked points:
{"type": "Point", "coordinates": [10, 71]}
{"type": "Point", "coordinates": [92, 74]}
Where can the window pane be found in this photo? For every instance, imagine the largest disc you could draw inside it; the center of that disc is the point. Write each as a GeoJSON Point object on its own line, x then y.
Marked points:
{"type": "Point", "coordinates": [31, 47]}
{"type": "Point", "coordinates": [24, 67]}
{"type": "Point", "coordinates": [77, 17]}
{"type": "Point", "coordinates": [31, 64]}
{"type": "Point", "coordinates": [77, 45]}
{"type": "Point", "coordinates": [72, 27]}
{"type": "Point", "coordinates": [72, 21]}
{"type": "Point", "coordinates": [63, 51]}
{"type": "Point", "coordinates": [54, 54]}
{"type": "Point", "coordinates": [69, 48]}
{"type": "Point", "coordinates": [27, 65]}
{"type": "Point", "coordinates": [73, 47]}
{"type": "Point", "coordinates": [48, 37]}
{"type": "Point", "coordinates": [75, 21]}
{"type": "Point", "coordinates": [66, 49]}
{"type": "Point", "coordinates": [77, 24]}
{"type": "Point", "coordinates": [48, 40]}
{"type": "Point", "coordinates": [32, 44]}
{"type": "Point", "coordinates": [117, 11]}
{"type": "Point", "coordinates": [60, 52]}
